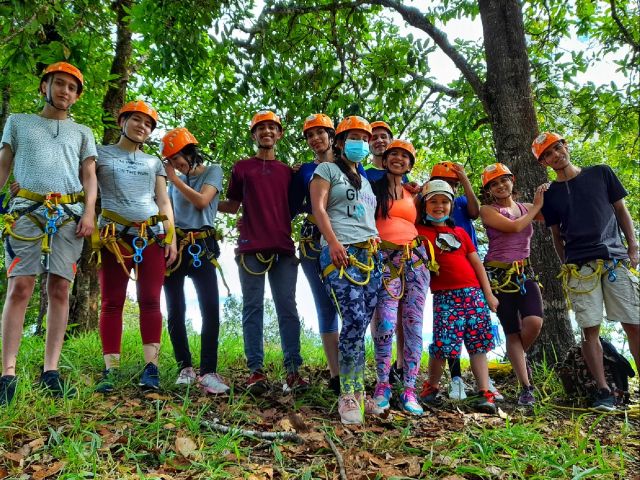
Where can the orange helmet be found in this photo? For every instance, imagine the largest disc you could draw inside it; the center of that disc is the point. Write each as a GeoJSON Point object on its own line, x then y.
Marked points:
{"type": "Point", "coordinates": [543, 141]}
{"type": "Point", "coordinates": [404, 146]}
{"type": "Point", "coordinates": [354, 123]}
{"type": "Point", "coordinates": [317, 120]}
{"type": "Point", "coordinates": [65, 68]}
{"type": "Point", "coordinates": [265, 116]}
{"type": "Point", "coordinates": [495, 170]}
{"type": "Point", "coordinates": [142, 107]}
{"type": "Point", "coordinates": [382, 125]}
{"type": "Point", "coordinates": [444, 170]}
{"type": "Point", "coordinates": [176, 140]}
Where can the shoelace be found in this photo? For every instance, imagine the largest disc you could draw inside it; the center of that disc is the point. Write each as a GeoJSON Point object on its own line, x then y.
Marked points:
{"type": "Point", "coordinates": [490, 396]}
{"type": "Point", "coordinates": [427, 389]}
{"type": "Point", "coordinates": [380, 389]}
{"type": "Point", "coordinates": [350, 402]}
{"type": "Point", "coordinates": [410, 395]}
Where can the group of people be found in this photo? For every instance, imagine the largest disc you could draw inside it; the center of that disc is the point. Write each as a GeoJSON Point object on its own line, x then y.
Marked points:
{"type": "Point", "coordinates": [371, 245]}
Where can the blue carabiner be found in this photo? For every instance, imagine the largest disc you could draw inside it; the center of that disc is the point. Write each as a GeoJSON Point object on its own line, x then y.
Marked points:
{"type": "Point", "coordinates": [196, 255]}
{"type": "Point", "coordinates": [138, 255]}
{"type": "Point", "coordinates": [51, 225]}
{"type": "Point", "coordinates": [612, 277]}
{"type": "Point", "coordinates": [410, 272]}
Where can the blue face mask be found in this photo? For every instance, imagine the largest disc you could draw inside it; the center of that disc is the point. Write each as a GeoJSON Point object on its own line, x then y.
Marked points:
{"type": "Point", "coordinates": [356, 150]}
{"type": "Point", "coordinates": [430, 218]}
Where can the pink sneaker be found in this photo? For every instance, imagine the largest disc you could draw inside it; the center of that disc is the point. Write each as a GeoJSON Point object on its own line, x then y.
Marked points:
{"type": "Point", "coordinates": [349, 410]}
{"type": "Point", "coordinates": [213, 383]}
{"type": "Point", "coordinates": [370, 407]}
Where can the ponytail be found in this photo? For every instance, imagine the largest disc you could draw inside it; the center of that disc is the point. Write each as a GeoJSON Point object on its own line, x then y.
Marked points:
{"type": "Point", "coordinates": [353, 177]}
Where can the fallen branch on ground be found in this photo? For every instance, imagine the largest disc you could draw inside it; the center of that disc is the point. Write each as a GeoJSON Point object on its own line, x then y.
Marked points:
{"type": "Point", "coordinates": [334, 449]}
{"type": "Point", "coordinates": [288, 436]}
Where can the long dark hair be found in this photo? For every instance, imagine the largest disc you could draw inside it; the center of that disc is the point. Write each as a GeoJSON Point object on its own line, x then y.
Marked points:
{"type": "Point", "coordinates": [383, 196]}
{"type": "Point", "coordinates": [193, 154]}
{"type": "Point", "coordinates": [353, 177]}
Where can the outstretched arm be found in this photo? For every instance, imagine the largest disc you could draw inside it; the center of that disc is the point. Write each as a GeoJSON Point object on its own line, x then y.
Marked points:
{"type": "Point", "coordinates": [626, 224]}
{"type": "Point", "coordinates": [473, 207]}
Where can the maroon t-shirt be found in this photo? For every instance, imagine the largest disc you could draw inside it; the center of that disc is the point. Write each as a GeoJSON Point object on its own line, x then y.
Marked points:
{"type": "Point", "coordinates": [263, 188]}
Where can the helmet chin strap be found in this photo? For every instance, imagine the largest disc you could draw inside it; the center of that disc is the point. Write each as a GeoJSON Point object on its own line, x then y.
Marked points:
{"type": "Point", "coordinates": [47, 97]}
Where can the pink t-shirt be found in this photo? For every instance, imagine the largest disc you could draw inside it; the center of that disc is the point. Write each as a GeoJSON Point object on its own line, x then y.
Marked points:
{"type": "Point", "coordinates": [263, 188]}
{"type": "Point", "coordinates": [509, 247]}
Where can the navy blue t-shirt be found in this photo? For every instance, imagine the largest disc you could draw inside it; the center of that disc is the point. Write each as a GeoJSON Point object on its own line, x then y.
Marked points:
{"type": "Point", "coordinates": [460, 215]}
{"type": "Point", "coordinates": [585, 215]}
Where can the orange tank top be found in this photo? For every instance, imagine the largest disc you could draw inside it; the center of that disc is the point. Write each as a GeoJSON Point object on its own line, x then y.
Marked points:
{"type": "Point", "coordinates": [400, 228]}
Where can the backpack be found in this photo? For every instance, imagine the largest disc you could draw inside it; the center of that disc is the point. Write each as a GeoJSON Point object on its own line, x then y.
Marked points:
{"type": "Point", "coordinates": [578, 381]}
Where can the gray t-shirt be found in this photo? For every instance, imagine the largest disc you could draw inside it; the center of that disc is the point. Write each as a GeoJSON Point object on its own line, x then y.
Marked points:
{"type": "Point", "coordinates": [186, 214]}
{"type": "Point", "coordinates": [351, 212]}
{"type": "Point", "coordinates": [47, 155]}
{"type": "Point", "coordinates": [127, 185]}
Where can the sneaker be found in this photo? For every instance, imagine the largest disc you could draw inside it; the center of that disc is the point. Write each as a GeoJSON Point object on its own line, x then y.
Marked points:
{"type": "Point", "coordinates": [106, 384]}
{"type": "Point", "coordinates": [605, 401]}
{"type": "Point", "coordinates": [213, 383]}
{"type": "Point", "coordinates": [526, 396]}
{"type": "Point", "coordinates": [150, 377]}
{"type": "Point", "coordinates": [382, 395]}
{"type": "Point", "coordinates": [492, 388]}
{"type": "Point", "coordinates": [457, 389]}
{"type": "Point", "coordinates": [484, 402]}
{"type": "Point", "coordinates": [257, 384]}
{"type": "Point", "coordinates": [51, 382]}
{"type": "Point", "coordinates": [430, 394]}
{"type": "Point", "coordinates": [293, 382]}
{"type": "Point", "coordinates": [8, 385]}
{"type": "Point", "coordinates": [334, 384]}
{"type": "Point", "coordinates": [349, 410]}
{"type": "Point", "coordinates": [396, 376]}
{"type": "Point", "coordinates": [187, 376]}
{"type": "Point", "coordinates": [409, 402]}
{"type": "Point", "coordinates": [370, 407]}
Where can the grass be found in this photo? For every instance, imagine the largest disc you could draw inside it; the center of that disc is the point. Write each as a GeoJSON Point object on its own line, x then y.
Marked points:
{"type": "Point", "coordinates": [131, 434]}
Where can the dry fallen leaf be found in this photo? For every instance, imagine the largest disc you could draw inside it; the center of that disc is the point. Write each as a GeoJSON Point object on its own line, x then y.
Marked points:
{"type": "Point", "coordinates": [253, 476]}
{"type": "Point", "coordinates": [3, 473]}
{"type": "Point", "coordinates": [285, 425]}
{"type": "Point", "coordinates": [36, 444]}
{"type": "Point", "coordinates": [42, 474]}
{"type": "Point", "coordinates": [453, 477]}
{"type": "Point", "coordinates": [186, 447]}
{"type": "Point", "coordinates": [298, 422]}
{"type": "Point", "coordinates": [16, 458]}
{"type": "Point", "coordinates": [493, 470]}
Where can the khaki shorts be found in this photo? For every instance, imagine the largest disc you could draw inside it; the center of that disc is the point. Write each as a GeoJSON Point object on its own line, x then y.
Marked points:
{"type": "Point", "coordinates": [24, 258]}
{"type": "Point", "coordinates": [621, 298]}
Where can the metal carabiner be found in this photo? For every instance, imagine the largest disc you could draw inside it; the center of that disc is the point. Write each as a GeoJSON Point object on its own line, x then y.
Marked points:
{"type": "Point", "coordinates": [612, 277]}
{"type": "Point", "coordinates": [51, 225]}
{"type": "Point", "coordinates": [196, 255]}
{"type": "Point", "coordinates": [138, 255]}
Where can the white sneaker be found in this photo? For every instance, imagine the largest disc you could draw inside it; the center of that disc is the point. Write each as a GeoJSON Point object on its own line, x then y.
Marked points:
{"type": "Point", "coordinates": [349, 410]}
{"type": "Point", "coordinates": [497, 396]}
{"type": "Point", "coordinates": [457, 389]}
{"type": "Point", "coordinates": [213, 383]}
{"type": "Point", "coordinates": [187, 376]}
{"type": "Point", "coordinates": [370, 407]}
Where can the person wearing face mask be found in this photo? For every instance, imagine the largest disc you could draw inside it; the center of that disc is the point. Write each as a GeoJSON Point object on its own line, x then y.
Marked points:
{"type": "Point", "coordinates": [462, 298]}
{"type": "Point", "coordinates": [319, 134]}
{"type": "Point", "coordinates": [135, 232]}
{"type": "Point", "coordinates": [344, 208]}
{"type": "Point", "coordinates": [194, 195]}
{"type": "Point", "coordinates": [508, 226]}
{"type": "Point", "coordinates": [405, 282]}
{"type": "Point", "coordinates": [53, 162]}
{"type": "Point", "coordinates": [265, 248]}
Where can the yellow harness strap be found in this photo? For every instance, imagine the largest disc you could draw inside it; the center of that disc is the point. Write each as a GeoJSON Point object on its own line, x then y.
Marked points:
{"type": "Point", "coordinates": [516, 268]}
{"type": "Point", "coordinates": [572, 270]}
{"type": "Point", "coordinates": [150, 222]}
{"type": "Point", "coordinates": [62, 200]}
{"type": "Point", "coordinates": [267, 261]}
{"type": "Point", "coordinates": [372, 247]}
{"type": "Point", "coordinates": [110, 241]}
{"type": "Point", "coordinates": [305, 242]}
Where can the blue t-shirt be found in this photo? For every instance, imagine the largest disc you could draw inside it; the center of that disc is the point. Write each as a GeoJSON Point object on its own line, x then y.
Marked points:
{"type": "Point", "coordinates": [374, 174]}
{"type": "Point", "coordinates": [299, 188]}
{"type": "Point", "coordinates": [461, 217]}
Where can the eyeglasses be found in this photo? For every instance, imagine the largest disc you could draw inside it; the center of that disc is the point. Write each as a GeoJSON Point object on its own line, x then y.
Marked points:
{"type": "Point", "coordinates": [447, 242]}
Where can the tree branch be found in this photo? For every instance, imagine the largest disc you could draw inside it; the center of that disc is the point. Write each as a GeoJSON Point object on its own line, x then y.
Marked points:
{"type": "Point", "coordinates": [479, 123]}
{"type": "Point", "coordinates": [8, 38]}
{"type": "Point", "coordinates": [416, 112]}
{"type": "Point", "coordinates": [274, 436]}
{"type": "Point", "coordinates": [436, 87]}
{"type": "Point", "coordinates": [625, 33]}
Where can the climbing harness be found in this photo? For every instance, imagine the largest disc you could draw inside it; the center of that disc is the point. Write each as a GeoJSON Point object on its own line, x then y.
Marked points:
{"type": "Point", "coordinates": [56, 206]}
{"type": "Point", "coordinates": [196, 251]}
{"type": "Point", "coordinates": [571, 270]}
{"type": "Point", "coordinates": [110, 239]}
{"type": "Point", "coordinates": [309, 236]}
{"type": "Point", "coordinates": [510, 277]}
{"type": "Point", "coordinates": [267, 261]}
{"type": "Point", "coordinates": [372, 265]}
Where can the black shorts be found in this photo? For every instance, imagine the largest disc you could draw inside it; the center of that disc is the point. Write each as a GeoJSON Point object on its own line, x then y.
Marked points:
{"type": "Point", "coordinates": [512, 304]}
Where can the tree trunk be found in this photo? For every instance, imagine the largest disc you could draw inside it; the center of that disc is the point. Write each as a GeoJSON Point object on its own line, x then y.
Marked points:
{"type": "Point", "coordinates": [85, 299]}
{"type": "Point", "coordinates": [509, 100]}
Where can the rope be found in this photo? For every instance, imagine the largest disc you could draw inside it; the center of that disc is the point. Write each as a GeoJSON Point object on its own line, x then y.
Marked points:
{"type": "Point", "coordinates": [372, 248]}
{"type": "Point", "coordinates": [516, 268]}
{"type": "Point", "coordinates": [406, 256]}
{"type": "Point", "coordinates": [305, 242]}
{"type": "Point", "coordinates": [572, 270]}
{"type": "Point", "coordinates": [260, 257]}
{"type": "Point", "coordinates": [111, 242]}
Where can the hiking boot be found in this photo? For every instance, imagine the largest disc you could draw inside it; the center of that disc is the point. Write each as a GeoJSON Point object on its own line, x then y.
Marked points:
{"type": "Point", "coordinates": [484, 402]}
{"type": "Point", "coordinates": [334, 384]}
{"type": "Point", "coordinates": [349, 410]}
{"type": "Point", "coordinates": [457, 389]}
{"type": "Point", "coordinates": [257, 384]}
{"type": "Point", "coordinates": [409, 402]}
{"type": "Point", "coordinates": [396, 376]}
{"type": "Point", "coordinates": [106, 384]}
{"type": "Point", "coordinates": [214, 384]}
{"type": "Point", "coordinates": [51, 382]}
{"type": "Point", "coordinates": [492, 388]}
{"type": "Point", "coordinates": [293, 382]}
{"type": "Point", "coordinates": [8, 385]}
{"type": "Point", "coordinates": [430, 395]}
{"type": "Point", "coordinates": [370, 407]}
{"type": "Point", "coordinates": [187, 376]}
{"type": "Point", "coordinates": [605, 401]}
{"type": "Point", "coordinates": [150, 377]}
{"type": "Point", "coordinates": [382, 395]}
{"type": "Point", "coordinates": [526, 396]}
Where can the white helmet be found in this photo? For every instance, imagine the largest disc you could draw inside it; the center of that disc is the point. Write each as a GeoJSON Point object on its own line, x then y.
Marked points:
{"type": "Point", "coordinates": [435, 187]}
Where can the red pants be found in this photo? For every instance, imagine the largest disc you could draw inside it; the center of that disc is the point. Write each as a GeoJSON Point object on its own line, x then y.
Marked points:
{"type": "Point", "coordinates": [113, 288]}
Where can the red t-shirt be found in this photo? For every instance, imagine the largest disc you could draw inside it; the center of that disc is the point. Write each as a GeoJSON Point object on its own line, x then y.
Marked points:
{"type": "Point", "coordinates": [455, 269]}
{"type": "Point", "coordinates": [263, 188]}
